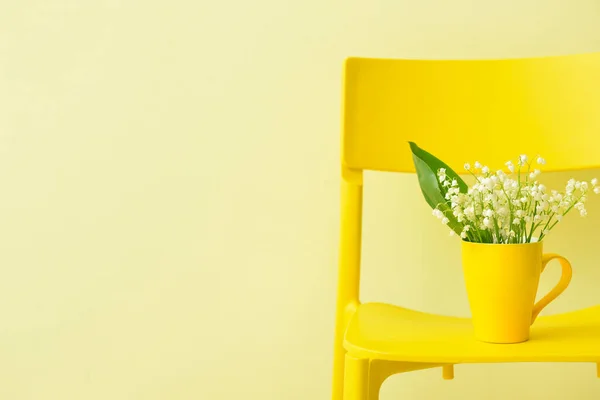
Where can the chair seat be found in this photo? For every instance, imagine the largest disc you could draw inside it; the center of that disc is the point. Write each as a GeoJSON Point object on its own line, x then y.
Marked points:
{"type": "Point", "coordinates": [386, 332]}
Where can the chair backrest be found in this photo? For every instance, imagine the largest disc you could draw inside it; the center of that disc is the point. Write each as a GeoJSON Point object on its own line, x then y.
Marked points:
{"type": "Point", "coordinates": [461, 109]}
{"type": "Point", "coordinates": [494, 110]}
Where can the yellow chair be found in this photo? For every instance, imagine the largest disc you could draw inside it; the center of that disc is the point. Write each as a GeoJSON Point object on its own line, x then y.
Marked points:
{"type": "Point", "coordinates": [455, 109]}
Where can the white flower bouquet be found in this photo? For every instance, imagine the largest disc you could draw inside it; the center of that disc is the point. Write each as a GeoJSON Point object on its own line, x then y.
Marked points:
{"type": "Point", "coordinates": [508, 206]}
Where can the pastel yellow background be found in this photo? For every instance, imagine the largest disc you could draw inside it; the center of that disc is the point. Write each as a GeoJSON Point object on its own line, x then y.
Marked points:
{"type": "Point", "coordinates": [169, 195]}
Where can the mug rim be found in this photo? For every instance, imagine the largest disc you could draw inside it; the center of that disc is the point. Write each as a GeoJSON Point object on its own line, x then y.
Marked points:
{"type": "Point", "coordinates": [464, 242]}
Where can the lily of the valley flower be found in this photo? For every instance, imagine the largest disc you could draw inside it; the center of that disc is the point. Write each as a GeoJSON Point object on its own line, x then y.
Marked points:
{"type": "Point", "coordinates": [510, 207]}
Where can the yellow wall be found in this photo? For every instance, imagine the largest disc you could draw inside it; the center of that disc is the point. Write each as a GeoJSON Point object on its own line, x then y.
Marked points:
{"type": "Point", "coordinates": [169, 195]}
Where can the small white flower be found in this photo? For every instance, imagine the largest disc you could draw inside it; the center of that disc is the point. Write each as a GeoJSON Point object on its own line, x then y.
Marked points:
{"type": "Point", "coordinates": [463, 234]}
{"type": "Point", "coordinates": [488, 183]}
{"type": "Point", "coordinates": [467, 166]}
{"type": "Point", "coordinates": [583, 212]}
{"type": "Point", "coordinates": [522, 159]}
{"type": "Point", "coordinates": [445, 221]}
{"type": "Point", "coordinates": [541, 161]}
{"type": "Point", "coordinates": [441, 174]}
{"type": "Point", "coordinates": [597, 190]}
{"type": "Point", "coordinates": [545, 231]}
{"type": "Point", "coordinates": [452, 233]}
{"type": "Point", "coordinates": [477, 165]}
{"type": "Point", "coordinates": [516, 221]}
{"type": "Point", "coordinates": [488, 213]}
{"type": "Point", "coordinates": [467, 228]}
{"type": "Point", "coordinates": [512, 234]}
{"type": "Point", "coordinates": [594, 182]}
{"type": "Point", "coordinates": [510, 166]}
{"type": "Point", "coordinates": [438, 213]}
{"type": "Point", "coordinates": [485, 170]}
{"type": "Point", "coordinates": [542, 188]}
{"type": "Point", "coordinates": [559, 217]}
{"type": "Point", "coordinates": [454, 183]}
{"type": "Point", "coordinates": [487, 222]}
{"type": "Point", "coordinates": [569, 189]}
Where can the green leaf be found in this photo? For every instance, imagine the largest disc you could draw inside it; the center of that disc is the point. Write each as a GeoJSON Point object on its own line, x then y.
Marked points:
{"type": "Point", "coordinates": [435, 164]}
{"type": "Point", "coordinates": [426, 166]}
{"type": "Point", "coordinates": [429, 183]}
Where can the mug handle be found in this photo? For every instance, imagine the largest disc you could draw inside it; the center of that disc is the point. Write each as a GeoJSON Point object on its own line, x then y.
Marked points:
{"type": "Point", "coordinates": [565, 279]}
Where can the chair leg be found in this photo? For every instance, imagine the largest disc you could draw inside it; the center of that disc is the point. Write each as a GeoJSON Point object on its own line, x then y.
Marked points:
{"type": "Point", "coordinates": [448, 371]}
{"type": "Point", "coordinates": [356, 378]}
{"type": "Point", "coordinates": [380, 370]}
{"type": "Point", "coordinates": [339, 354]}
{"type": "Point", "coordinates": [375, 383]}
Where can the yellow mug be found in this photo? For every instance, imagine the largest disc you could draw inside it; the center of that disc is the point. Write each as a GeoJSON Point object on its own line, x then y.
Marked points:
{"type": "Point", "coordinates": [502, 282]}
